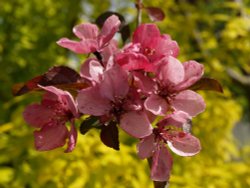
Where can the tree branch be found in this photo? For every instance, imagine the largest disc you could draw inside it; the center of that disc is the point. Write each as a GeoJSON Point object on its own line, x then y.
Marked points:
{"type": "Point", "coordinates": [139, 7]}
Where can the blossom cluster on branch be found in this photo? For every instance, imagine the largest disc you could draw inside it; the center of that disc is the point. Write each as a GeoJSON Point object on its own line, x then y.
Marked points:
{"type": "Point", "coordinates": [142, 88]}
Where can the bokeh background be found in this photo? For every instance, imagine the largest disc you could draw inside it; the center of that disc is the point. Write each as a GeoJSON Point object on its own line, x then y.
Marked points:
{"type": "Point", "coordinates": [216, 33]}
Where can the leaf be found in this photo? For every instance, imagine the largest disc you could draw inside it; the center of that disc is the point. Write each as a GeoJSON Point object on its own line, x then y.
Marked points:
{"type": "Point", "coordinates": [125, 32]}
{"type": "Point", "coordinates": [61, 76]}
{"type": "Point", "coordinates": [89, 123]}
{"type": "Point", "coordinates": [109, 135]}
{"type": "Point", "coordinates": [207, 84]}
{"type": "Point", "coordinates": [155, 14]}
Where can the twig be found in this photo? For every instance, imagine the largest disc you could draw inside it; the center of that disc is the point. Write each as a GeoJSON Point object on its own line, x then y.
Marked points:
{"type": "Point", "coordinates": [139, 7]}
{"type": "Point", "coordinates": [242, 79]}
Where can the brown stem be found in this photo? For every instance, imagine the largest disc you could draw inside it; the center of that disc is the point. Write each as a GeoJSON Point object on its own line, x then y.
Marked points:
{"type": "Point", "coordinates": [139, 7]}
{"type": "Point", "coordinates": [158, 184]}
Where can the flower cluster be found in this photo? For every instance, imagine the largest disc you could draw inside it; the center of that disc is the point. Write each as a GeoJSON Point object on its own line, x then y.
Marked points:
{"type": "Point", "coordinates": [128, 87]}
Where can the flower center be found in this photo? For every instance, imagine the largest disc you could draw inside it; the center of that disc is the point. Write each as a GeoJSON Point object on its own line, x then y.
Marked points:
{"type": "Point", "coordinates": [149, 51]}
{"type": "Point", "coordinates": [117, 106]}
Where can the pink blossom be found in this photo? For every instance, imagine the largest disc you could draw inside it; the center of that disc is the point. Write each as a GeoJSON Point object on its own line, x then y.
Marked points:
{"type": "Point", "coordinates": [167, 132]}
{"type": "Point", "coordinates": [91, 40]}
{"type": "Point", "coordinates": [57, 107]}
{"type": "Point", "coordinates": [112, 98]}
{"type": "Point", "coordinates": [147, 48]}
{"type": "Point", "coordinates": [154, 45]}
{"type": "Point", "coordinates": [171, 85]}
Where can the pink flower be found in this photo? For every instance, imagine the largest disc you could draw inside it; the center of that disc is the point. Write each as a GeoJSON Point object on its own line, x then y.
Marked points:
{"type": "Point", "coordinates": [171, 87]}
{"type": "Point", "coordinates": [91, 39]}
{"type": "Point", "coordinates": [154, 45]}
{"type": "Point", "coordinates": [113, 99]}
{"type": "Point", "coordinates": [57, 108]}
{"type": "Point", "coordinates": [147, 48]}
{"type": "Point", "coordinates": [167, 132]}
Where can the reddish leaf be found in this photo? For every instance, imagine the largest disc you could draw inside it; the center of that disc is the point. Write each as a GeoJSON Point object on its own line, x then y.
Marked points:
{"type": "Point", "coordinates": [109, 135]}
{"type": "Point", "coordinates": [155, 14]}
{"type": "Point", "coordinates": [61, 77]}
{"type": "Point", "coordinates": [89, 123]}
{"type": "Point", "coordinates": [125, 32]}
{"type": "Point", "coordinates": [22, 88]}
{"type": "Point", "coordinates": [207, 84]}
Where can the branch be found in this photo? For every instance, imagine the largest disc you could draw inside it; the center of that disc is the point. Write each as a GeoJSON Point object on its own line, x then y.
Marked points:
{"type": "Point", "coordinates": [242, 79]}
{"type": "Point", "coordinates": [139, 7]}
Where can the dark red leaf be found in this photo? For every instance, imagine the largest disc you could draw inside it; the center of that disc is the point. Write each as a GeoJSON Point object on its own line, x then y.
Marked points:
{"type": "Point", "coordinates": [109, 135]}
{"type": "Point", "coordinates": [207, 84]}
{"type": "Point", "coordinates": [155, 14]}
{"type": "Point", "coordinates": [89, 123]}
{"type": "Point", "coordinates": [62, 77]}
{"type": "Point", "coordinates": [125, 32]}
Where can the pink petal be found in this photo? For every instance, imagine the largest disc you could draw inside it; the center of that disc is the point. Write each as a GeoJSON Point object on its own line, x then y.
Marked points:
{"type": "Point", "coordinates": [66, 99]}
{"type": "Point", "coordinates": [133, 101]}
{"type": "Point", "coordinates": [114, 84]}
{"type": "Point", "coordinates": [185, 145]}
{"type": "Point", "coordinates": [144, 83]}
{"type": "Point", "coordinates": [37, 115]}
{"type": "Point", "coordinates": [189, 102]}
{"type": "Point", "coordinates": [109, 50]}
{"type": "Point", "coordinates": [52, 96]}
{"type": "Point", "coordinates": [163, 46]}
{"type": "Point", "coordinates": [173, 47]}
{"type": "Point", "coordinates": [70, 104]}
{"type": "Point", "coordinates": [110, 27]}
{"type": "Point", "coordinates": [72, 136]}
{"type": "Point", "coordinates": [91, 102]}
{"type": "Point", "coordinates": [193, 73]}
{"type": "Point", "coordinates": [131, 47]}
{"type": "Point", "coordinates": [160, 47]}
{"type": "Point", "coordinates": [146, 146]}
{"type": "Point", "coordinates": [161, 164]}
{"type": "Point", "coordinates": [133, 61]}
{"type": "Point", "coordinates": [136, 124]}
{"type": "Point", "coordinates": [156, 104]}
{"type": "Point", "coordinates": [55, 93]}
{"type": "Point", "coordinates": [82, 47]}
{"type": "Point", "coordinates": [144, 33]}
{"type": "Point", "coordinates": [178, 118]}
{"type": "Point", "coordinates": [171, 71]}
{"type": "Point", "coordinates": [50, 137]}
{"type": "Point", "coordinates": [92, 70]}
{"type": "Point", "coordinates": [86, 31]}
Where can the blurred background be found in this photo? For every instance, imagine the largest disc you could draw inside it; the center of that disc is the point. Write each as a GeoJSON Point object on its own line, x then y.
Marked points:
{"type": "Point", "coordinates": [215, 33]}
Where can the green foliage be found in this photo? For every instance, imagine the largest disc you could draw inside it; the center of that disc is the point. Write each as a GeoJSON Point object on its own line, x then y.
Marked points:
{"type": "Point", "coordinates": [215, 34]}
{"type": "Point", "coordinates": [28, 32]}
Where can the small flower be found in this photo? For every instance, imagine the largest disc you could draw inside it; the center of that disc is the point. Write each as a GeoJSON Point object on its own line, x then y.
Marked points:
{"type": "Point", "coordinates": [168, 132]}
{"type": "Point", "coordinates": [171, 88]}
{"type": "Point", "coordinates": [91, 39]}
{"type": "Point", "coordinates": [57, 107]}
{"type": "Point", "coordinates": [147, 48]}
